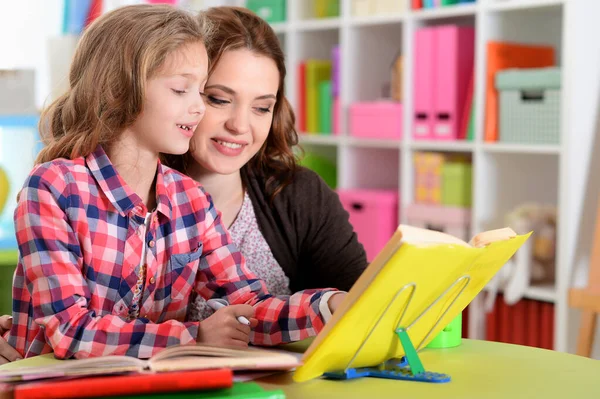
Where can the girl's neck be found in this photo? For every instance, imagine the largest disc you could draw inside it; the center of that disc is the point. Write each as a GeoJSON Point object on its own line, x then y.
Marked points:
{"type": "Point", "coordinates": [137, 167]}
{"type": "Point", "coordinates": [227, 191]}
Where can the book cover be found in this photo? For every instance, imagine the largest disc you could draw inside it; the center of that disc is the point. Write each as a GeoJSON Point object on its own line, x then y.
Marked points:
{"type": "Point", "coordinates": [127, 385]}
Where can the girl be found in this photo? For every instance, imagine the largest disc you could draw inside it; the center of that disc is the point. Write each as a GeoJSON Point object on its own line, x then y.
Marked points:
{"type": "Point", "coordinates": [112, 243]}
{"type": "Point", "coordinates": [290, 226]}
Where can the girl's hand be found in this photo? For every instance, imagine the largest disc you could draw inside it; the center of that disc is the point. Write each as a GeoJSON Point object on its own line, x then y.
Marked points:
{"type": "Point", "coordinates": [223, 328]}
{"type": "Point", "coordinates": [7, 352]}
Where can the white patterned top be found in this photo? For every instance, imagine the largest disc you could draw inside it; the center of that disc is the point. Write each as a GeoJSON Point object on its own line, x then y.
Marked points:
{"type": "Point", "coordinates": [246, 235]}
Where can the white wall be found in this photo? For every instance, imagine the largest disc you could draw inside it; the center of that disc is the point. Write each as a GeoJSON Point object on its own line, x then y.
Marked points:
{"type": "Point", "coordinates": [25, 26]}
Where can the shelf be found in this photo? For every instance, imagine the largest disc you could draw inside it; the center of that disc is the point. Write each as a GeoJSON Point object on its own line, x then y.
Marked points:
{"type": "Point", "coordinates": [546, 293]}
{"type": "Point", "coordinates": [319, 139]}
{"type": "Point", "coordinates": [514, 5]}
{"type": "Point", "coordinates": [373, 20]}
{"type": "Point", "coordinates": [445, 146]}
{"type": "Point", "coordinates": [318, 24]}
{"type": "Point", "coordinates": [522, 148]}
{"type": "Point", "coordinates": [374, 143]}
{"type": "Point", "coordinates": [459, 10]}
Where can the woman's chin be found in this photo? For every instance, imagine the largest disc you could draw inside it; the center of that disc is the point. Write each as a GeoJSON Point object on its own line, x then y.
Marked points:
{"type": "Point", "coordinates": [228, 168]}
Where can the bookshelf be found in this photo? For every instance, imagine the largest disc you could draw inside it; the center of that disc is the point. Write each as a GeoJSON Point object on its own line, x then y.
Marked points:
{"type": "Point", "coordinates": [504, 175]}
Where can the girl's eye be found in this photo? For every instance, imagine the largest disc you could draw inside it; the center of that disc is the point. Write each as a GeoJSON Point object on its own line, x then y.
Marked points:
{"type": "Point", "coordinates": [178, 92]}
{"type": "Point", "coordinates": [216, 101]}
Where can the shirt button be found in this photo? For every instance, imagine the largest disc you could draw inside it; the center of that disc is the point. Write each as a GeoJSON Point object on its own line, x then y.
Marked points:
{"type": "Point", "coordinates": [152, 280]}
{"type": "Point", "coordinates": [151, 244]}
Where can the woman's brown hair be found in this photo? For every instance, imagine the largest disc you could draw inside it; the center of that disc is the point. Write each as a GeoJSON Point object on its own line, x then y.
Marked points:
{"type": "Point", "coordinates": [234, 28]}
{"type": "Point", "coordinates": [114, 59]}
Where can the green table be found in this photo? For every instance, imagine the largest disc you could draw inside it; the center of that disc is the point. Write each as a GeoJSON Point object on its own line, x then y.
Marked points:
{"type": "Point", "coordinates": [8, 263]}
{"type": "Point", "coordinates": [479, 370]}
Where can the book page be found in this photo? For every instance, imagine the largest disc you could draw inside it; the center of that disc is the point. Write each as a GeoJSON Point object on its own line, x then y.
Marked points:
{"type": "Point", "coordinates": [192, 357]}
{"type": "Point", "coordinates": [71, 367]}
{"type": "Point", "coordinates": [487, 237]}
{"type": "Point", "coordinates": [423, 237]}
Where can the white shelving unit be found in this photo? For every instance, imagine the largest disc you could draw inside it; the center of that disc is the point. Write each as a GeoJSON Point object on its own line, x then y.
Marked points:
{"type": "Point", "coordinates": [505, 175]}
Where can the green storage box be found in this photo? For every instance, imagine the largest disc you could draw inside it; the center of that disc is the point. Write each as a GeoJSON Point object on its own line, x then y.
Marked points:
{"type": "Point", "coordinates": [271, 11]}
{"type": "Point", "coordinates": [326, 8]}
{"type": "Point", "coordinates": [529, 110]}
{"type": "Point", "coordinates": [457, 178]}
{"type": "Point", "coordinates": [8, 264]}
{"type": "Point", "coordinates": [322, 166]}
{"type": "Point", "coordinates": [450, 336]}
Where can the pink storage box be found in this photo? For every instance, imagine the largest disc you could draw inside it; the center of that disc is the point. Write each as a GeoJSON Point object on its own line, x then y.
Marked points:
{"type": "Point", "coordinates": [379, 119]}
{"type": "Point", "coordinates": [374, 216]}
{"type": "Point", "coordinates": [452, 220]}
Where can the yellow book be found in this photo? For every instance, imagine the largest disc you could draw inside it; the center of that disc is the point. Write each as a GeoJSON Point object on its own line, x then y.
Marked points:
{"type": "Point", "coordinates": [317, 71]}
{"type": "Point", "coordinates": [430, 265]}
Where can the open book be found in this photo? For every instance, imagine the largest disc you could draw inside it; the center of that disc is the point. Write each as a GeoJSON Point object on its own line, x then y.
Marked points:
{"type": "Point", "coordinates": [174, 358]}
{"type": "Point", "coordinates": [420, 281]}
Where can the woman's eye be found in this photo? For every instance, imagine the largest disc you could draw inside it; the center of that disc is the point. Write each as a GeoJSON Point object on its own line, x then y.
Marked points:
{"type": "Point", "coordinates": [216, 101]}
{"type": "Point", "coordinates": [264, 110]}
{"type": "Point", "coordinates": [178, 92]}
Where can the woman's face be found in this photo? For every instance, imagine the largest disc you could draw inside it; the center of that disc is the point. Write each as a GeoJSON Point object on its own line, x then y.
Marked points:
{"type": "Point", "coordinates": [240, 96]}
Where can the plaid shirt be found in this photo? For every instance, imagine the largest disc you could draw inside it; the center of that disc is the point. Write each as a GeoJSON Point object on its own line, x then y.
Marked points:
{"type": "Point", "coordinates": [78, 228]}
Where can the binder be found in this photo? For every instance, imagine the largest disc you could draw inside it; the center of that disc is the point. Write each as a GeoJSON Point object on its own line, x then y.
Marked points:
{"type": "Point", "coordinates": [533, 323]}
{"type": "Point", "coordinates": [491, 322]}
{"type": "Point", "coordinates": [301, 81]}
{"type": "Point", "coordinates": [316, 72]}
{"type": "Point", "coordinates": [519, 323]}
{"type": "Point", "coordinates": [423, 83]}
{"type": "Point", "coordinates": [455, 52]}
{"type": "Point", "coordinates": [547, 325]}
{"type": "Point", "coordinates": [325, 107]}
{"type": "Point", "coordinates": [505, 322]}
{"type": "Point", "coordinates": [465, 119]}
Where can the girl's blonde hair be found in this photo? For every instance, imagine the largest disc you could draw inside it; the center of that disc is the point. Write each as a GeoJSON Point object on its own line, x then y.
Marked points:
{"type": "Point", "coordinates": [114, 59]}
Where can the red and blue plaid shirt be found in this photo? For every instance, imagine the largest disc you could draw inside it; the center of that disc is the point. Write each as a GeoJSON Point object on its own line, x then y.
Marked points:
{"type": "Point", "coordinates": [79, 229]}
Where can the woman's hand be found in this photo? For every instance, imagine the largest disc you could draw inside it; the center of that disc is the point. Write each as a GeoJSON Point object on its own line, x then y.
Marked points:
{"type": "Point", "coordinates": [7, 352]}
{"type": "Point", "coordinates": [223, 328]}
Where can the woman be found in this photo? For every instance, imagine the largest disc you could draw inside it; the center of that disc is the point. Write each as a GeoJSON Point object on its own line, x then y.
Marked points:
{"type": "Point", "coordinates": [287, 222]}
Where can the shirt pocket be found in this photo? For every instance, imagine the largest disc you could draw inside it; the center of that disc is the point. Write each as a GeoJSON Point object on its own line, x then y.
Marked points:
{"type": "Point", "coordinates": [182, 271]}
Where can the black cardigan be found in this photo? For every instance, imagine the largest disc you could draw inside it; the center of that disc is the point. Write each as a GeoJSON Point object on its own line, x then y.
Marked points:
{"type": "Point", "coordinates": [308, 232]}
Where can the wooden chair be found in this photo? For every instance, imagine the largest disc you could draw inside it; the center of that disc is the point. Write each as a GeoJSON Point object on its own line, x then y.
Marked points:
{"type": "Point", "coordinates": [588, 299]}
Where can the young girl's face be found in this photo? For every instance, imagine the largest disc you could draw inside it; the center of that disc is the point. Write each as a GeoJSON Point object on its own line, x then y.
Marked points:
{"type": "Point", "coordinates": [240, 96]}
{"type": "Point", "coordinates": [173, 105]}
